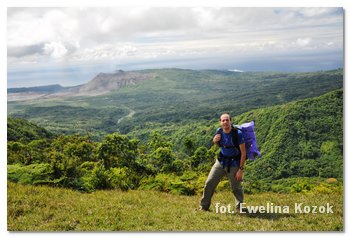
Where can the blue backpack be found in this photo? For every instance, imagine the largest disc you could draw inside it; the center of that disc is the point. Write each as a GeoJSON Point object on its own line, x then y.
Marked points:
{"type": "Point", "coordinates": [249, 138]}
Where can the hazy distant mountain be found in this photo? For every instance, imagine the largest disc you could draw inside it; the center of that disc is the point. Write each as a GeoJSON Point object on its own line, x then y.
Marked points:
{"type": "Point", "coordinates": [100, 84]}
{"type": "Point", "coordinates": [27, 93]}
{"type": "Point", "coordinates": [104, 83]}
{"type": "Point", "coordinates": [40, 89]}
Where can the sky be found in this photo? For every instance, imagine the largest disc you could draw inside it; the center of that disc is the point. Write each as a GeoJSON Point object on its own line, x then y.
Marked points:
{"type": "Point", "coordinates": [69, 46]}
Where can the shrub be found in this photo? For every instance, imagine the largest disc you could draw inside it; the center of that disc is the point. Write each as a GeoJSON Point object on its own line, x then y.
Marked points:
{"type": "Point", "coordinates": [171, 183]}
{"type": "Point", "coordinates": [30, 174]}
{"type": "Point", "coordinates": [120, 178]}
{"type": "Point", "coordinates": [93, 179]}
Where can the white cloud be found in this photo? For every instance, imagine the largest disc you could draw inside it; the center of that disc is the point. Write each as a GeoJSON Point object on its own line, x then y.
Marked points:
{"type": "Point", "coordinates": [317, 11]}
{"type": "Point", "coordinates": [31, 26]}
{"type": "Point", "coordinates": [85, 34]}
{"type": "Point", "coordinates": [55, 49]}
{"type": "Point", "coordinates": [302, 42]}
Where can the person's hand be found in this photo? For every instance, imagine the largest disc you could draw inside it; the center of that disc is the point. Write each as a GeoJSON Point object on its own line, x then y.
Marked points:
{"type": "Point", "coordinates": [217, 138]}
{"type": "Point", "coordinates": [239, 175]}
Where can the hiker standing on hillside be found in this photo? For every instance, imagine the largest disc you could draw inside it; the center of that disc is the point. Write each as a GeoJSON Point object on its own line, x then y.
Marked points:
{"type": "Point", "coordinates": [230, 162]}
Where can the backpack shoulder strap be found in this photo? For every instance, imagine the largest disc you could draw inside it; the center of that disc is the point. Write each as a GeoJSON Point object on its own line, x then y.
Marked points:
{"type": "Point", "coordinates": [234, 133]}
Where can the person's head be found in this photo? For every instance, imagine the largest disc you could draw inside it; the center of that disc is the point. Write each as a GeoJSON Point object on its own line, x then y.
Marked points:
{"type": "Point", "coordinates": [225, 121]}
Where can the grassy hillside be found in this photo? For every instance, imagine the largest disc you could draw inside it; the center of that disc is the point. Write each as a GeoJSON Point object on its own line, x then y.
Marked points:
{"type": "Point", "coordinates": [175, 96]}
{"type": "Point", "coordinates": [41, 208]}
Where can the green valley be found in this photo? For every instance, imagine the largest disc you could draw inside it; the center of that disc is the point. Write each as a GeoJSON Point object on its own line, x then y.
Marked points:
{"type": "Point", "coordinates": [174, 96]}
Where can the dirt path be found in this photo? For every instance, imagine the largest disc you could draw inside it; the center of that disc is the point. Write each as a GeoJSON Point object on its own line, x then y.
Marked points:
{"type": "Point", "coordinates": [130, 115]}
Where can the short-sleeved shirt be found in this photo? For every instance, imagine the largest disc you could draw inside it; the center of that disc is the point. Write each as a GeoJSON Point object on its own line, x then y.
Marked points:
{"type": "Point", "coordinates": [227, 141]}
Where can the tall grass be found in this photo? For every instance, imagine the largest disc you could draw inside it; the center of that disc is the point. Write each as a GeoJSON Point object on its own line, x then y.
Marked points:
{"type": "Point", "coordinates": [41, 208]}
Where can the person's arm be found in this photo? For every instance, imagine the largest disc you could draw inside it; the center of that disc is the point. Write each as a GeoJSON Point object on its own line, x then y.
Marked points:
{"type": "Point", "coordinates": [243, 155]}
{"type": "Point", "coordinates": [239, 174]}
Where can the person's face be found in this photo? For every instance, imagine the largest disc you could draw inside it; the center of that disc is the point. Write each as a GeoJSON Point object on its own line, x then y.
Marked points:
{"type": "Point", "coordinates": [225, 121]}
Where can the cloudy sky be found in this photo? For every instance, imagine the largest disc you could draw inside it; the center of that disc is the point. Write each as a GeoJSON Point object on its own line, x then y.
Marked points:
{"type": "Point", "coordinates": [69, 46]}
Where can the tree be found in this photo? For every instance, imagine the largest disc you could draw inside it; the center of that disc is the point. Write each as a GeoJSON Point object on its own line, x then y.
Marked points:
{"type": "Point", "coordinates": [200, 155]}
{"type": "Point", "coordinates": [189, 145]}
{"type": "Point", "coordinates": [162, 159]}
{"type": "Point", "coordinates": [157, 141]}
{"type": "Point", "coordinates": [117, 150]}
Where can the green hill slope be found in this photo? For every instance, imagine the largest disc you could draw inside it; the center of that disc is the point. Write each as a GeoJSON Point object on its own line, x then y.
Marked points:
{"type": "Point", "coordinates": [303, 138]}
{"type": "Point", "coordinates": [22, 129]}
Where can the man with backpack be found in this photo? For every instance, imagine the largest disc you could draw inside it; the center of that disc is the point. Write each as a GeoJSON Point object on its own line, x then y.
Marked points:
{"type": "Point", "coordinates": [230, 162]}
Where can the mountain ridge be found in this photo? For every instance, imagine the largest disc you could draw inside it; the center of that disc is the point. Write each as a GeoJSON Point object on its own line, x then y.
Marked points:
{"type": "Point", "coordinates": [106, 82]}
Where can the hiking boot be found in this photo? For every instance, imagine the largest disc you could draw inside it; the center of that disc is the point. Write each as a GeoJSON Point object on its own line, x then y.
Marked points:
{"type": "Point", "coordinates": [203, 209]}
